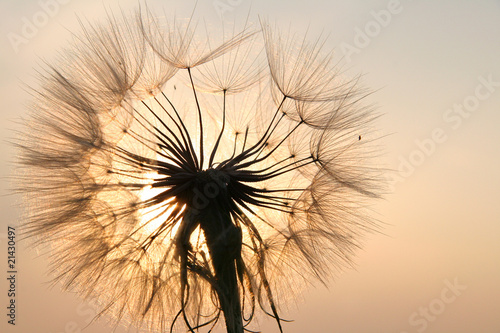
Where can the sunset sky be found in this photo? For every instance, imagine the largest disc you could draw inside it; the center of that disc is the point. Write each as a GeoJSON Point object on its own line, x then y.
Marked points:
{"type": "Point", "coordinates": [434, 67]}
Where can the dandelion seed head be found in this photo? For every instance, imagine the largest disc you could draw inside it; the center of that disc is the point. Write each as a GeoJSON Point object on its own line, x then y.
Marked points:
{"type": "Point", "coordinates": [182, 182]}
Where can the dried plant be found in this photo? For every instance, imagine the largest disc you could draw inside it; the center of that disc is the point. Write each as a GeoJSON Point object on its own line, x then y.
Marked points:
{"type": "Point", "coordinates": [178, 180]}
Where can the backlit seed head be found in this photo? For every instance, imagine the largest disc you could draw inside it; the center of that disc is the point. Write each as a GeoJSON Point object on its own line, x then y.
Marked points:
{"type": "Point", "coordinates": [180, 181]}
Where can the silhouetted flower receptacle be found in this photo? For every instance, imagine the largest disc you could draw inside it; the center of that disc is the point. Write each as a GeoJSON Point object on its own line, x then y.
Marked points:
{"type": "Point", "coordinates": [176, 179]}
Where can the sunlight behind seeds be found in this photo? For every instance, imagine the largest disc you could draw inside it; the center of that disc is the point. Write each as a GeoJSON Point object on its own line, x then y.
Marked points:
{"type": "Point", "coordinates": [184, 182]}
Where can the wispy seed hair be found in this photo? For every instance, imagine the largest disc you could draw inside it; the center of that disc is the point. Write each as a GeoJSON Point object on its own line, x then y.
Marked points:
{"type": "Point", "coordinates": [180, 182]}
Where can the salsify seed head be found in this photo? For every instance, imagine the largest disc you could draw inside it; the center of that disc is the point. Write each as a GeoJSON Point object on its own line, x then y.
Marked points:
{"type": "Point", "coordinates": [179, 181]}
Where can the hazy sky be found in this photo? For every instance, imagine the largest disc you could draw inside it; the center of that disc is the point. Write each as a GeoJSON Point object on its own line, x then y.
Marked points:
{"type": "Point", "coordinates": [436, 71]}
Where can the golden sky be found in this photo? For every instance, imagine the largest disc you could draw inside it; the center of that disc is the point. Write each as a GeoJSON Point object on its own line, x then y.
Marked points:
{"type": "Point", "coordinates": [435, 71]}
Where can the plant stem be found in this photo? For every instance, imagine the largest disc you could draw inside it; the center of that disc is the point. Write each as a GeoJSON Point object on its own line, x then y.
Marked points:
{"type": "Point", "coordinates": [224, 244]}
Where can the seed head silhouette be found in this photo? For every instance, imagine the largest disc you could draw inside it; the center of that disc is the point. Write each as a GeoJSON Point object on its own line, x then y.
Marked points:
{"type": "Point", "coordinates": [181, 182]}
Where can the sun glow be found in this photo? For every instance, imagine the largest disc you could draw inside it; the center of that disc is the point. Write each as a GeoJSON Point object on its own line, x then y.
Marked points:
{"type": "Point", "coordinates": [153, 217]}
